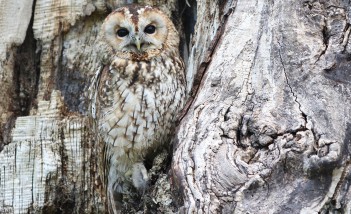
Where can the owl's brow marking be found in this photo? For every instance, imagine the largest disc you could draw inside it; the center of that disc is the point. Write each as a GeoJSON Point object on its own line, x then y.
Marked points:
{"type": "Point", "coordinates": [135, 16]}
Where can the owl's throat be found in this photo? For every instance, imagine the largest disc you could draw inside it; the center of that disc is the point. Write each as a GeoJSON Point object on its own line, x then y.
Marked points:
{"type": "Point", "coordinates": [140, 55]}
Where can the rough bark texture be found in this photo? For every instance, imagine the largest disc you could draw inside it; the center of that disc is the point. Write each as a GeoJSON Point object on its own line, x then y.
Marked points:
{"type": "Point", "coordinates": [266, 129]}
{"type": "Point", "coordinates": [269, 128]}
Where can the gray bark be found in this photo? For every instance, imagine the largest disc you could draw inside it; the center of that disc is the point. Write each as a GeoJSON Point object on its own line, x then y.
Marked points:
{"type": "Point", "coordinates": [266, 128]}
{"type": "Point", "coordinates": [269, 129]}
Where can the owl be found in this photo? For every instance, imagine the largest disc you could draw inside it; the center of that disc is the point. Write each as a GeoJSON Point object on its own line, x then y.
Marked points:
{"type": "Point", "coordinates": [136, 94]}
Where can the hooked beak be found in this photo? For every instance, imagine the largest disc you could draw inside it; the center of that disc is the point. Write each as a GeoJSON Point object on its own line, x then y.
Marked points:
{"type": "Point", "coordinates": [137, 42]}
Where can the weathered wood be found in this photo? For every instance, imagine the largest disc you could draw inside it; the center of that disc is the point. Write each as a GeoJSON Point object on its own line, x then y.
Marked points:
{"type": "Point", "coordinates": [269, 127]}
{"type": "Point", "coordinates": [50, 163]}
{"type": "Point", "coordinates": [12, 34]}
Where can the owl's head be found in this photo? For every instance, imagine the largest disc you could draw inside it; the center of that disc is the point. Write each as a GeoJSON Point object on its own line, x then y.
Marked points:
{"type": "Point", "coordinates": [137, 32]}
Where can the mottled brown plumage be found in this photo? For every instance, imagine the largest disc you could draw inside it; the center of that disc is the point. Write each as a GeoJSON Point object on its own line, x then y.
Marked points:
{"type": "Point", "coordinates": [136, 93]}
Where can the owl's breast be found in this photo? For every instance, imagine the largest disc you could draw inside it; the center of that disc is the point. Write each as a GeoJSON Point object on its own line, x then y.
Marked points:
{"type": "Point", "coordinates": [138, 102]}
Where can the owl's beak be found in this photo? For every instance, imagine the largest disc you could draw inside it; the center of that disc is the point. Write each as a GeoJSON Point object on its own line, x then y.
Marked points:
{"type": "Point", "coordinates": [137, 42]}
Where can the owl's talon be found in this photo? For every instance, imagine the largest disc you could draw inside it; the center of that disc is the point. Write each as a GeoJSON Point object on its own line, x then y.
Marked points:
{"type": "Point", "coordinates": [140, 177]}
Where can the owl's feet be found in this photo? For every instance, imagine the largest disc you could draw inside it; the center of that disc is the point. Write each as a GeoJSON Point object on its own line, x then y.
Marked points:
{"type": "Point", "coordinates": [140, 177]}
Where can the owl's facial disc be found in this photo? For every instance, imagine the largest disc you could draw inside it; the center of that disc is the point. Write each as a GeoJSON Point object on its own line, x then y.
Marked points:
{"type": "Point", "coordinates": [140, 31]}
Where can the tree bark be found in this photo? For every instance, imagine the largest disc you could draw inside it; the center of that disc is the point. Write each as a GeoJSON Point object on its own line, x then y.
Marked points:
{"type": "Point", "coordinates": [266, 128]}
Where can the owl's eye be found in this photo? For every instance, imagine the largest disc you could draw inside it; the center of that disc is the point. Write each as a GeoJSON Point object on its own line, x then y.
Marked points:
{"type": "Point", "coordinates": [122, 32]}
{"type": "Point", "coordinates": [150, 29]}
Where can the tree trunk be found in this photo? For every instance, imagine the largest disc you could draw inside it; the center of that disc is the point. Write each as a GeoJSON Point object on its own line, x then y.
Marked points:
{"type": "Point", "coordinates": [266, 128]}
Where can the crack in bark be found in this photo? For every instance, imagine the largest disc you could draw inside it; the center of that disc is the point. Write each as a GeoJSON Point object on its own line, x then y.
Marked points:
{"type": "Point", "coordinates": [291, 89]}
{"type": "Point", "coordinates": [239, 131]}
{"type": "Point", "coordinates": [346, 36]}
{"type": "Point", "coordinates": [325, 40]}
{"type": "Point", "coordinates": [198, 80]}
{"type": "Point", "coordinates": [292, 132]}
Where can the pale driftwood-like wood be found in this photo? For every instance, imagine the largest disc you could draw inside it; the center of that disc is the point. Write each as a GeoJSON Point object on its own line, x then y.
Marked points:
{"type": "Point", "coordinates": [12, 34]}
{"type": "Point", "coordinates": [50, 164]}
{"type": "Point", "coordinates": [14, 31]}
{"type": "Point", "coordinates": [269, 128]}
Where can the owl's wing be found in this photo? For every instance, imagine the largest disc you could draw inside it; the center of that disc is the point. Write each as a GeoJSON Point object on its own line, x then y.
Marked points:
{"type": "Point", "coordinates": [93, 91]}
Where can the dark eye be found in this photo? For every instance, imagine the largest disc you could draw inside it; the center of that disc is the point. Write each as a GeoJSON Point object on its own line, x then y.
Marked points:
{"type": "Point", "coordinates": [150, 29]}
{"type": "Point", "coordinates": [122, 32]}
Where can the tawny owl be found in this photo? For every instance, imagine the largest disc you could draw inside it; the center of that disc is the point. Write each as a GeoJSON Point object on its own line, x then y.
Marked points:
{"type": "Point", "coordinates": [138, 92]}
